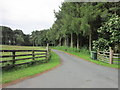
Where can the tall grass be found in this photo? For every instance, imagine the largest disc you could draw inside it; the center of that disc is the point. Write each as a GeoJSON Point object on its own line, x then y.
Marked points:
{"type": "Point", "coordinates": [82, 50]}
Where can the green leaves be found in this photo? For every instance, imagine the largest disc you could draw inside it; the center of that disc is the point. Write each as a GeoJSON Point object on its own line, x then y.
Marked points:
{"type": "Point", "coordinates": [100, 44]}
{"type": "Point", "coordinates": [109, 33]}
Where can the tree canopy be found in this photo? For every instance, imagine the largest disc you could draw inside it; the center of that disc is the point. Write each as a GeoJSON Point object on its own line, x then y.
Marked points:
{"type": "Point", "coordinates": [95, 25]}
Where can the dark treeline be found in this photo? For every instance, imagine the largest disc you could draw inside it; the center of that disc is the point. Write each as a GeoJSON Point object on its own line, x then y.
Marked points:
{"type": "Point", "coordinates": [14, 37]}
{"type": "Point", "coordinates": [17, 37]}
{"type": "Point", "coordinates": [94, 25]}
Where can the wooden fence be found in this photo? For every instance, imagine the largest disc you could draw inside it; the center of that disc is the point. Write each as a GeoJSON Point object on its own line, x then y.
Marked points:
{"type": "Point", "coordinates": [108, 57]}
{"type": "Point", "coordinates": [103, 56]}
{"type": "Point", "coordinates": [35, 54]}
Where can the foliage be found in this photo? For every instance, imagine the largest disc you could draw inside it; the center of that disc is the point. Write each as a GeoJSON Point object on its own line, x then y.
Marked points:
{"type": "Point", "coordinates": [83, 50]}
{"type": "Point", "coordinates": [38, 38]}
{"type": "Point", "coordinates": [76, 25]}
{"type": "Point", "coordinates": [7, 35]}
{"type": "Point", "coordinates": [109, 34]}
{"type": "Point", "coordinates": [14, 37]}
{"type": "Point", "coordinates": [81, 20]}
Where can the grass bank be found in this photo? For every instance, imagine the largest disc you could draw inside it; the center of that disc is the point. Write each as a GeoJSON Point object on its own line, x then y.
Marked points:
{"type": "Point", "coordinates": [9, 76]}
{"type": "Point", "coordinates": [17, 73]}
{"type": "Point", "coordinates": [84, 54]}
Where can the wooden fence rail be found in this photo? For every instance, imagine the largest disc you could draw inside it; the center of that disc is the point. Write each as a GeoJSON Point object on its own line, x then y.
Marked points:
{"type": "Point", "coordinates": [108, 57]}
{"type": "Point", "coordinates": [34, 55]}
{"type": "Point", "coordinates": [116, 58]}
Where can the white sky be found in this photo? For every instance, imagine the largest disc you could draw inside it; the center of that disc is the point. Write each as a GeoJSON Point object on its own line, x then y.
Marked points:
{"type": "Point", "coordinates": [28, 15]}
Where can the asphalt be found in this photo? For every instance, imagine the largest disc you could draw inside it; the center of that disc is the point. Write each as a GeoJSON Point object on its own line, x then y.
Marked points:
{"type": "Point", "coordinates": [73, 73]}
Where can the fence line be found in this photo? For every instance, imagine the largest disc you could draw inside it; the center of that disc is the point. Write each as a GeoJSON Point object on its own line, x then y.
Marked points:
{"type": "Point", "coordinates": [45, 54]}
{"type": "Point", "coordinates": [108, 57]}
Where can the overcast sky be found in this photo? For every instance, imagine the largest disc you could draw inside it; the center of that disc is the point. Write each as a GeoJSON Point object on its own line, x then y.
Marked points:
{"type": "Point", "coordinates": [28, 15]}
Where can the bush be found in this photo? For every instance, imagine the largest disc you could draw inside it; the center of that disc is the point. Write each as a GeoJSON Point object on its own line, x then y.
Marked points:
{"type": "Point", "coordinates": [84, 50]}
{"type": "Point", "coordinates": [109, 35]}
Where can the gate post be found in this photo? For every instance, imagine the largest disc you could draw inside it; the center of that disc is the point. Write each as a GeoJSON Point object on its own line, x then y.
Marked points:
{"type": "Point", "coordinates": [111, 56]}
{"type": "Point", "coordinates": [33, 54]}
{"type": "Point", "coordinates": [13, 57]}
{"type": "Point", "coordinates": [47, 48]}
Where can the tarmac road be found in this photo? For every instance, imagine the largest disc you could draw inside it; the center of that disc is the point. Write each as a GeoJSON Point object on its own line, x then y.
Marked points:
{"type": "Point", "coordinates": [73, 73]}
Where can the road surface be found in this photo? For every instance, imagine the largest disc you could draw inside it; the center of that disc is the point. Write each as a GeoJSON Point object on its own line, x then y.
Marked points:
{"type": "Point", "coordinates": [73, 73]}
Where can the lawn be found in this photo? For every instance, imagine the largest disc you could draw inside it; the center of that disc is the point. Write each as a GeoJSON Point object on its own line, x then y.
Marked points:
{"type": "Point", "coordinates": [11, 75]}
{"type": "Point", "coordinates": [13, 47]}
{"type": "Point", "coordinates": [83, 53]}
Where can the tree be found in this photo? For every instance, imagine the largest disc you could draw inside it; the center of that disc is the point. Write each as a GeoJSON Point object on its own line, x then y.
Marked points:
{"type": "Point", "coordinates": [109, 35]}
{"type": "Point", "coordinates": [19, 37]}
{"type": "Point", "coordinates": [27, 41]}
{"type": "Point", "coordinates": [88, 14]}
{"type": "Point", "coordinates": [7, 35]}
{"type": "Point", "coordinates": [39, 37]}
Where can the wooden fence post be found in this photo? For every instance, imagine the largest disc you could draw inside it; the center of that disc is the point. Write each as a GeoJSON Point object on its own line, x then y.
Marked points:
{"type": "Point", "coordinates": [33, 54]}
{"type": "Point", "coordinates": [111, 56]}
{"type": "Point", "coordinates": [13, 57]}
{"type": "Point", "coordinates": [47, 48]}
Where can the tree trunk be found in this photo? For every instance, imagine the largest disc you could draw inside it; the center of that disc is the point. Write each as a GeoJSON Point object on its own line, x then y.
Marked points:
{"type": "Point", "coordinates": [80, 41]}
{"type": "Point", "coordinates": [65, 41]}
{"type": "Point", "coordinates": [60, 41]}
{"type": "Point", "coordinates": [90, 38]}
{"type": "Point", "coordinates": [77, 41]}
{"type": "Point", "coordinates": [71, 40]}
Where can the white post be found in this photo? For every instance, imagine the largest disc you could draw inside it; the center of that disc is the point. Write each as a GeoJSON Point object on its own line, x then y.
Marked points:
{"type": "Point", "coordinates": [47, 48]}
{"type": "Point", "coordinates": [111, 56]}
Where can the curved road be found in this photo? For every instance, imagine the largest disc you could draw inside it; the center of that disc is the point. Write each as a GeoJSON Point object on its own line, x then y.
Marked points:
{"type": "Point", "coordinates": [73, 73]}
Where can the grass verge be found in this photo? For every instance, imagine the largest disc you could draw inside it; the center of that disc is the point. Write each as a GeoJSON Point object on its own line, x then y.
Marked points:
{"type": "Point", "coordinates": [8, 76]}
{"type": "Point", "coordinates": [84, 54]}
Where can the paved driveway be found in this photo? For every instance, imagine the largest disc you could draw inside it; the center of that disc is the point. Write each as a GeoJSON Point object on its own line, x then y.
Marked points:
{"type": "Point", "coordinates": [73, 73]}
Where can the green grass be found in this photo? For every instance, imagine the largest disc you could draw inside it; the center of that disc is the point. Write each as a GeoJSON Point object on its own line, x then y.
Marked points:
{"type": "Point", "coordinates": [24, 72]}
{"type": "Point", "coordinates": [13, 47]}
{"type": "Point", "coordinates": [84, 54]}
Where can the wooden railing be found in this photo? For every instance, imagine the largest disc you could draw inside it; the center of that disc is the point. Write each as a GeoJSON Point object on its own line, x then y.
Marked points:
{"type": "Point", "coordinates": [108, 57]}
{"type": "Point", "coordinates": [103, 56]}
{"type": "Point", "coordinates": [14, 58]}
{"type": "Point", "coordinates": [116, 58]}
